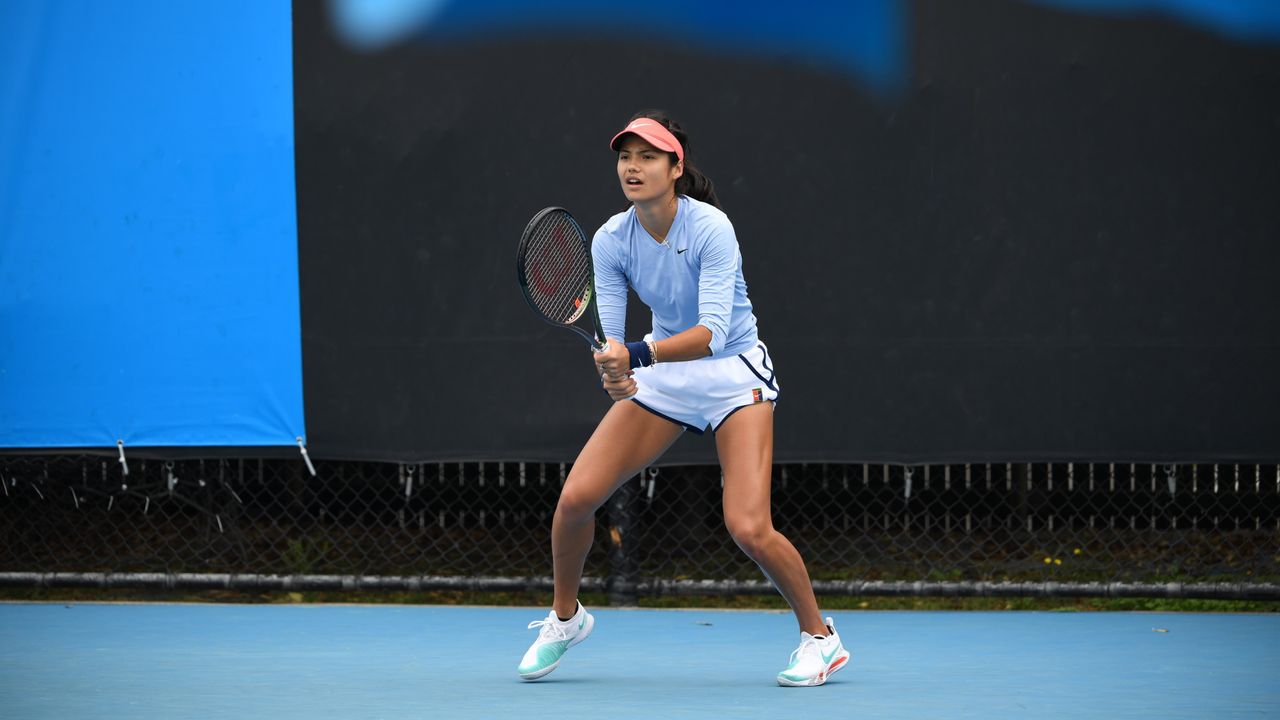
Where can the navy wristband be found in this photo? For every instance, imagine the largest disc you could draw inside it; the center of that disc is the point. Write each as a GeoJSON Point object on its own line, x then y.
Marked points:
{"type": "Point", "coordinates": [640, 355]}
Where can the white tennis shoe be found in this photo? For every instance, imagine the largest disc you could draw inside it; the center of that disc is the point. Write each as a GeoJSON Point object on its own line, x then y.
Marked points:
{"type": "Point", "coordinates": [816, 660]}
{"type": "Point", "coordinates": [554, 638]}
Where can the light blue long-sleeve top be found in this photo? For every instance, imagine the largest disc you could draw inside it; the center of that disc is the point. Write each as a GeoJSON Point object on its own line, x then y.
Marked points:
{"type": "Point", "coordinates": [693, 278]}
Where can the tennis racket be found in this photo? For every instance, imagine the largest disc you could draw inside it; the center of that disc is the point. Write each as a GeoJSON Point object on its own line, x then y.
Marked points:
{"type": "Point", "coordinates": [553, 264]}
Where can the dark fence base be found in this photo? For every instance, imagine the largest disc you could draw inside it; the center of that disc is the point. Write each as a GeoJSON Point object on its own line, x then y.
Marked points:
{"type": "Point", "coordinates": [350, 583]}
{"type": "Point", "coordinates": [1098, 530]}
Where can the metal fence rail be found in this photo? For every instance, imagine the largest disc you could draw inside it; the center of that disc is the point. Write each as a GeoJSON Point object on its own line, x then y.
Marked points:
{"type": "Point", "coordinates": [1100, 529]}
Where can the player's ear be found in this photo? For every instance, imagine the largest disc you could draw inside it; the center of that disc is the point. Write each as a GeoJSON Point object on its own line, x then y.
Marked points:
{"type": "Point", "coordinates": [677, 171]}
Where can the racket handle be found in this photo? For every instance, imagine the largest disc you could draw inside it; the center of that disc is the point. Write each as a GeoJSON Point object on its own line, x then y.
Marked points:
{"type": "Point", "coordinates": [604, 347]}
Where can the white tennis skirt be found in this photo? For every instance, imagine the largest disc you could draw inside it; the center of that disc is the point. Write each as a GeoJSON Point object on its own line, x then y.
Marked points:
{"type": "Point", "coordinates": [704, 393]}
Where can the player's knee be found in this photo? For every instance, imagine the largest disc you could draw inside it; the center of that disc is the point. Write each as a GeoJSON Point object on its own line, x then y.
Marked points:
{"type": "Point", "coordinates": [577, 502]}
{"type": "Point", "coordinates": [752, 534]}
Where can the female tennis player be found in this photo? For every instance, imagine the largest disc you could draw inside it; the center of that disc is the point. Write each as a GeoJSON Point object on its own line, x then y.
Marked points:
{"type": "Point", "coordinates": [702, 366]}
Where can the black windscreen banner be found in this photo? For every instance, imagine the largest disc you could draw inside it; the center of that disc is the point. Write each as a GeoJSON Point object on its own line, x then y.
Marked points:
{"type": "Point", "coordinates": [1056, 241]}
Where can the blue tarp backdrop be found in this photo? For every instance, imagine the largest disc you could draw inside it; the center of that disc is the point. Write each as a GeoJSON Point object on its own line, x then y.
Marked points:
{"type": "Point", "coordinates": [148, 249]}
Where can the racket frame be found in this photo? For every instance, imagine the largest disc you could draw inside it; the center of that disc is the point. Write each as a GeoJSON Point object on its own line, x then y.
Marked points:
{"type": "Point", "coordinates": [597, 341]}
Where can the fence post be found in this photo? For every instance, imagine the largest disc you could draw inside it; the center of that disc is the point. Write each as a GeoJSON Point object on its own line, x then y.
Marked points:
{"type": "Point", "coordinates": [621, 583]}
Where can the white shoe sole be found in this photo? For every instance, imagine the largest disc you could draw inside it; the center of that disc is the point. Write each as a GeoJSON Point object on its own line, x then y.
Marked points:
{"type": "Point", "coordinates": [586, 630]}
{"type": "Point", "coordinates": [539, 673]}
{"type": "Point", "coordinates": [822, 677]}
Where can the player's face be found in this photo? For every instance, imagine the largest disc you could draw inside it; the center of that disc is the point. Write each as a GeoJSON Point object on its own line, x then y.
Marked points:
{"type": "Point", "coordinates": [646, 173]}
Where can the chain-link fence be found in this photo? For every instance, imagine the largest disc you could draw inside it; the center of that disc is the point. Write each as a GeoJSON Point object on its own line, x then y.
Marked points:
{"type": "Point", "coordinates": [1073, 529]}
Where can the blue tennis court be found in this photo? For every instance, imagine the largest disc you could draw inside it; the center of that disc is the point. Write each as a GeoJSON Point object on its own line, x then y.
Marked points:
{"type": "Point", "coordinates": [308, 661]}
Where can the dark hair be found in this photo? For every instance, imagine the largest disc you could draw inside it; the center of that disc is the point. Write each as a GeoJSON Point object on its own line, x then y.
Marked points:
{"type": "Point", "coordinates": [692, 183]}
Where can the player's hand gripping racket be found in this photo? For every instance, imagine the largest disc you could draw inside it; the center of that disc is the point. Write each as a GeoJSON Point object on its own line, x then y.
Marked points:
{"type": "Point", "coordinates": [553, 264]}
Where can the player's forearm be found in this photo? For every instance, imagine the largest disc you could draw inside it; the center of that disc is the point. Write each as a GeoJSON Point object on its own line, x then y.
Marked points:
{"type": "Point", "coordinates": [691, 344]}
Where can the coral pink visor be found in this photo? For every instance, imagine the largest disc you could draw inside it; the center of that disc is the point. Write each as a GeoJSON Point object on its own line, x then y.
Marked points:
{"type": "Point", "coordinates": [652, 132]}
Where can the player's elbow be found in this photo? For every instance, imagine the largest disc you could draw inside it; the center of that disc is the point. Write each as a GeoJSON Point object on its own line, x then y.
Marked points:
{"type": "Point", "coordinates": [715, 336]}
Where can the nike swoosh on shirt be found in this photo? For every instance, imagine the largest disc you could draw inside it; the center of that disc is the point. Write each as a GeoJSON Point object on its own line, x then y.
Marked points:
{"type": "Point", "coordinates": [681, 250]}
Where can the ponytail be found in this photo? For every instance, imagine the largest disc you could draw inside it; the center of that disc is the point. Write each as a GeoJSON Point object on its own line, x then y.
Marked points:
{"type": "Point", "coordinates": [696, 185]}
{"type": "Point", "coordinates": [692, 183]}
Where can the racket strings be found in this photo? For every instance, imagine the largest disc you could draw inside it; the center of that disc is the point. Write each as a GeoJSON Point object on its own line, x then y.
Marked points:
{"type": "Point", "coordinates": [559, 271]}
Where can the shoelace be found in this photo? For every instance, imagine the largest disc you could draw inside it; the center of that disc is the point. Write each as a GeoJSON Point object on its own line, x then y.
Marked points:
{"type": "Point", "coordinates": [809, 643]}
{"type": "Point", "coordinates": [551, 628]}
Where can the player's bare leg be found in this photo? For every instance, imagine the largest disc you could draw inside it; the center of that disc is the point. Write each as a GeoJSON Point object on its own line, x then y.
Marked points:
{"type": "Point", "coordinates": [745, 444]}
{"type": "Point", "coordinates": [627, 440]}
